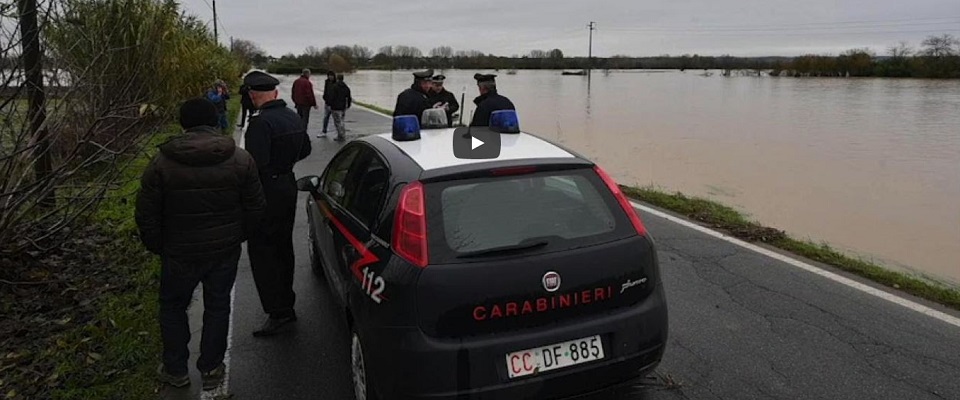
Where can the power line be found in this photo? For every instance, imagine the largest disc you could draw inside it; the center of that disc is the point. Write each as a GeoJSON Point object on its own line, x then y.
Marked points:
{"type": "Point", "coordinates": [890, 22]}
{"type": "Point", "coordinates": [793, 33]}
{"type": "Point", "coordinates": [839, 29]}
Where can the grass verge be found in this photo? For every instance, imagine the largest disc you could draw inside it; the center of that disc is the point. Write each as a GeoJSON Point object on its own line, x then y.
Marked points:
{"type": "Point", "coordinates": [93, 333]}
{"type": "Point", "coordinates": [374, 107]}
{"type": "Point", "coordinates": [724, 218]}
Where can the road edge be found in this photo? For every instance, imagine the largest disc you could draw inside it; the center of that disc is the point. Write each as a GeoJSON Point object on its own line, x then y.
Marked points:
{"type": "Point", "coordinates": [791, 259]}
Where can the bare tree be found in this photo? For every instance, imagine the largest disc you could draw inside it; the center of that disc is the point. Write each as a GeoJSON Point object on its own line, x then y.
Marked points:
{"type": "Point", "coordinates": [111, 93]}
{"type": "Point", "coordinates": [900, 51]}
{"type": "Point", "coordinates": [248, 51]}
{"type": "Point", "coordinates": [362, 53]}
{"type": "Point", "coordinates": [441, 52]}
{"type": "Point", "coordinates": [939, 46]}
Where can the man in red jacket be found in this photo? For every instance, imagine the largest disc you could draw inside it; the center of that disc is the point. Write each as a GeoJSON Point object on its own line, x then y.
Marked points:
{"type": "Point", "coordinates": [304, 97]}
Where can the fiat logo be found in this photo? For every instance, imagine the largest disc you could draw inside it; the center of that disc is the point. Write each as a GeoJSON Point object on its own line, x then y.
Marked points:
{"type": "Point", "coordinates": [551, 281]}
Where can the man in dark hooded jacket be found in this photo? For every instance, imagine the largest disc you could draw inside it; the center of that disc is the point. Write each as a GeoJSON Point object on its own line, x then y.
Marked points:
{"type": "Point", "coordinates": [199, 199]}
{"type": "Point", "coordinates": [414, 100]}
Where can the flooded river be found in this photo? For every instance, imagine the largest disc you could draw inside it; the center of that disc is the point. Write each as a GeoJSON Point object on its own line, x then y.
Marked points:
{"type": "Point", "coordinates": [871, 166]}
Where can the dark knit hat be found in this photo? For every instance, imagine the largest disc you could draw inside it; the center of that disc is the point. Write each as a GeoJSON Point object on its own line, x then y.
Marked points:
{"type": "Point", "coordinates": [198, 112]}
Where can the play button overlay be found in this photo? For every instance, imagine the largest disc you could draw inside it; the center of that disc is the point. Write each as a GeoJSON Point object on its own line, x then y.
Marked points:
{"type": "Point", "coordinates": [475, 143]}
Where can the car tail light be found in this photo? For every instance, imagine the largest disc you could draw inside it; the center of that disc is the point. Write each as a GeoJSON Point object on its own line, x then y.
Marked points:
{"type": "Point", "coordinates": [622, 199]}
{"type": "Point", "coordinates": [410, 225]}
{"type": "Point", "coordinates": [513, 170]}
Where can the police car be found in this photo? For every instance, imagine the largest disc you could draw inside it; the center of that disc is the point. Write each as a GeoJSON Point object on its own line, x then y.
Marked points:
{"type": "Point", "coordinates": [525, 276]}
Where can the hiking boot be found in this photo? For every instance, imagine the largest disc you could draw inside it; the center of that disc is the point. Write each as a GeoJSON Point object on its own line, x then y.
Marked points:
{"type": "Point", "coordinates": [272, 326]}
{"type": "Point", "coordinates": [172, 380]}
{"type": "Point", "coordinates": [322, 135]}
{"type": "Point", "coordinates": [213, 379]}
{"type": "Point", "coordinates": [340, 138]}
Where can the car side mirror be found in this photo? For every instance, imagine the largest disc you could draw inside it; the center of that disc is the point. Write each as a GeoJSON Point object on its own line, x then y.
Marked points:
{"type": "Point", "coordinates": [308, 183]}
{"type": "Point", "coordinates": [336, 190]}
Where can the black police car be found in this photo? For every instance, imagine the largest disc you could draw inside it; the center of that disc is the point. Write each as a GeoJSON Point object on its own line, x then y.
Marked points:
{"type": "Point", "coordinates": [525, 276]}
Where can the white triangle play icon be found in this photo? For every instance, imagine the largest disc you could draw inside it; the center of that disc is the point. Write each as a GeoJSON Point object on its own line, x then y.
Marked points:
{"type": "Point", "coordinates": [476, 142]}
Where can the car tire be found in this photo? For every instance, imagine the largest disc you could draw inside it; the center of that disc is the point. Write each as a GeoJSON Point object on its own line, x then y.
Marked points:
{"type": "Point", "coordinates": [362, 390]}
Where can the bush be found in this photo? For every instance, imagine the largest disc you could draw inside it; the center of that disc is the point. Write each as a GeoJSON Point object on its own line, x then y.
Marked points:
{"type": "Point", "coordinates": [122, 67]}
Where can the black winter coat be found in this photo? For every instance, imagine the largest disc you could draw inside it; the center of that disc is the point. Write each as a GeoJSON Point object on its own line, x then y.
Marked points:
{"type": "Point", "coordinates": [340, 97]}
{"type": "Point", "coordinates": [411, 101]}
{"type": "Point", "coordinates": [245, 99]}
{"type": "Point", "coordinates": [486, 105]}
{"type": "Point", "coordinates": [277, 139]}
{"type": "Point", "coordinates": [200, 197]}
{"type": "Point", "coordinates": [328, 90]}
{"type": "Point", "coordinates": [450, 99]}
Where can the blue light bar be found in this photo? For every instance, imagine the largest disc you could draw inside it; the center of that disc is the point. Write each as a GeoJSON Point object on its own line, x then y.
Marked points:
{"type": "Point", "coordinates": [406, 127]}
{"type": "Point", "coordinates": [504, 121]}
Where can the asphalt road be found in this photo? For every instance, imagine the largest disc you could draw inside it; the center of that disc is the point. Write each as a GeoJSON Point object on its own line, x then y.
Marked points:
{"type": "Point", "coordinates": [742, 325]}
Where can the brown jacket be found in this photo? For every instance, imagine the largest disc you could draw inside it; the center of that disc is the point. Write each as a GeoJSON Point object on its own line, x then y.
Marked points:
{"type": "Point", "coordinates": [200, 197]}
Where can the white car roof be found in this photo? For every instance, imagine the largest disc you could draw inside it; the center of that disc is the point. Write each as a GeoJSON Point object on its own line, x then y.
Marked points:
{"type": "Point", "coordinates": [434, 149]}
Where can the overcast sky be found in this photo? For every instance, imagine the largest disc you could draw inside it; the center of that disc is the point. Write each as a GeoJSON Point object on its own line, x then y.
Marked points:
{"type": "Point", "coordinates": [632, 27]}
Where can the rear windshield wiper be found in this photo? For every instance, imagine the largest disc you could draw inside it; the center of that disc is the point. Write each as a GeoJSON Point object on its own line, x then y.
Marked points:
{"type": "Point", "coordinates": [529, 245]}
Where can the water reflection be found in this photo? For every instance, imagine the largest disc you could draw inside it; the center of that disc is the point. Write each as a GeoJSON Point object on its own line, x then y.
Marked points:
{"type": "Point", "coordinates": [871, 166]}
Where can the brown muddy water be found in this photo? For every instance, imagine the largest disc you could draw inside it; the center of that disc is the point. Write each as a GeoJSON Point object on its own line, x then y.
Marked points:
{"type": "Point", "coordinates": [870, 166]}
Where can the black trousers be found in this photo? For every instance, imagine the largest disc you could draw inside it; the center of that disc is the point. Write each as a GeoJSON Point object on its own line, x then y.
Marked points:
{"type": "Point", "coordinates": [178, 279]}
{"type": "Point", "coordinates": [243, 115]}
{"type": "Point", "coordinates": [304, 113]}
{"type": "Point", "coordinates": [271, 249]}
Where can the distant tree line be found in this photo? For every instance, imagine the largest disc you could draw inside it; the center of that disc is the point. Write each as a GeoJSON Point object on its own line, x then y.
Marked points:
{"type": "Point", "coordinates": [939, 57]}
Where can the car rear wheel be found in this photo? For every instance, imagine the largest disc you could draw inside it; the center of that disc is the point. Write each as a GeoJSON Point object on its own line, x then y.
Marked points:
{"type": "Point", "coordinates": [358, 368]}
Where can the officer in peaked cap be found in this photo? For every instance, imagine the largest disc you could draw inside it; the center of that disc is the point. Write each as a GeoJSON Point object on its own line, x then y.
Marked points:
{"type": "Point", "coordinates": [441, 98]}
{"type": "Point", "coordinates": [277, 139]}
{"type": "Point", "coordinates": [414, 100]}
{"type": "Point", "coordinates": [488, 101]}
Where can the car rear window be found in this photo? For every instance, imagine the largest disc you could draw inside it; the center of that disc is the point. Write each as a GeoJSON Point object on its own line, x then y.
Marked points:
{"type": "Point", "coordinates": [568, 209]}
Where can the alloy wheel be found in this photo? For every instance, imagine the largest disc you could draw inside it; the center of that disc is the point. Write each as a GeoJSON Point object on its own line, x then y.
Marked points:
{"type": "Point", "coordinates": [359, 369]}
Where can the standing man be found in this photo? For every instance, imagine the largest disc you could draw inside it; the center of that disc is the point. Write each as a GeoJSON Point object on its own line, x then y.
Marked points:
{"type": "Point", "coordinates": [245, 104]}
{"type": "Point", "coordinates": [304, 98]}
{"type": "Point", "coordinates": [277, 139]}
{"type": "Point", "coordinates": [327, 90]}
{"type": "Point", "coordinates": [340, 101]}
{"type": "Point", "coordinates": [218, 95]}
{"type": "Point", "coordinates": [488, 101]}
{"type": "Point", "coordinates": [200, 198]}
{"type": "Point", "coordinates": [414, 100]}
{"type": "Point", "coordinates": [441, 98]}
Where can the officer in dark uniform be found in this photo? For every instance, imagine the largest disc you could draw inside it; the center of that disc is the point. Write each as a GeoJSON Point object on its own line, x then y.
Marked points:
{"type": "Point", "coordinates": [414, 100]}
{"type": "Point", "coordinates": [488, 101]}
{"type": "Point", "coordinates": [277, 139]}
{"type": "Point", "coordinates": [440, 97]}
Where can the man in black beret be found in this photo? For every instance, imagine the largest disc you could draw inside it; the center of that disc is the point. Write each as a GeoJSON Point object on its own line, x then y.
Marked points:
{"type": "Point", "coordinates": [441, 98]}
{"type": "Point", "coordinates": [414, 100]}
{"type": "Point", "coordinates": [277, 139]}
{"type": "Point", "coordinates": [199, 199]}
{"type": "Point", "coordinates": [488, 101]}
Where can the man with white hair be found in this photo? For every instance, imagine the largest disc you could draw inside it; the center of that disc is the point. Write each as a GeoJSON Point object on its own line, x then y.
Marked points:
{"type": "Point", "coordinates": [304, 98]}
{"type": "Point", "coordinates": [489, 100]}
{"type": "Point", "coordinates": [277, 139]}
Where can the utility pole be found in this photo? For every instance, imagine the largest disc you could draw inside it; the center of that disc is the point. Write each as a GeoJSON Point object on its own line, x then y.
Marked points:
{"type": "Point", "coordinates": [592, 26]}
{"type": "Point", "coordinates": [216, 36]}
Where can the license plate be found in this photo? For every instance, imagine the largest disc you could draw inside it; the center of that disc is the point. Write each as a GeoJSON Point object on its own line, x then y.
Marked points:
{"type": "Point", "coordinates": [556, 356]}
